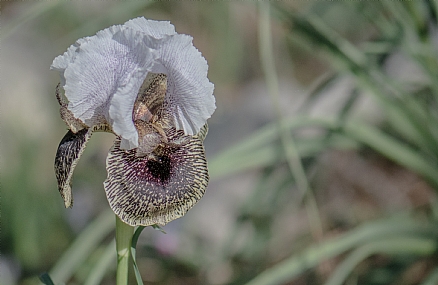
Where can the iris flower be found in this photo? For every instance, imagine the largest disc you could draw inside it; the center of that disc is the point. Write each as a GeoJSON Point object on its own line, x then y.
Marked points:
{"type": "Point", "coordinates": [148, 85]}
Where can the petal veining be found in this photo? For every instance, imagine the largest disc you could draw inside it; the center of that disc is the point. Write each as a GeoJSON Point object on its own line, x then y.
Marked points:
{"type": "Point", "coordinates": [102, 76]}
{"type": "Point", "coordinates": [69, 151]}
{"type": "Point", "coordinates": [155, 29]}
{"type": "Point", "coordinates": [67, 156]}
{"type": "Point", "coordinates": [157, 188]}
{"type": "Point", "coordinates": [189, 99]}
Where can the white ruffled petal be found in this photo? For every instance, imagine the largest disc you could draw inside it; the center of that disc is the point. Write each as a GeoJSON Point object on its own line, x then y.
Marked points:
{"type": "Point", "coordinates": [155, 29]}
{"type": "Point", "coordinates": [189, 97]}
{"type": "Point", "coordinates": [122, 103]}
{"type": "Point", "coordinates": [61, 62]}
{"type": "Point", "coordinates": [102, 76]}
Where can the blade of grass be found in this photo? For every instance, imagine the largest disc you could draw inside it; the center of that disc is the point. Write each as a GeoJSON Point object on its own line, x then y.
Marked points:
{"type": "Point", "coordinates": [316, 90]}
{"type": "Point", "coordinates": [37, 9]}
{"type": "Point", "coordinates": [393, 149]}
{"type": "Point", "coordinates": [271, 78]}
{"type": "Point", "coordinates": [432, 279]}
{"type": "Point", "coordinates": [82, 247]}
{"type": "Point", "coordinates": [402, 245]}
{"type": "Point", "coordinates": [133, 254]}
{"type": "Point", "coordinates": [45, 278]}
{"type": "Point", "coordinates": [419, 48]}
{"type": "Point", "coordinates": [269, 134]}
{"type": "Point", "coordinates": [434, 10]}
{"type": "Point", "coordinates": [229, 162]}
{"type": "Point", "coordinates": [272, 154]}
{"type": "Point", "coordinates": [309, 258]}
{"type": "Point", "coordinates": [349, 59]}
{"type": "Point", "coordinates": [405, 16]}
{"type": "Point", "coordinates": [260, 149]}
{"type": "Point", "coordinates": [106, 260]}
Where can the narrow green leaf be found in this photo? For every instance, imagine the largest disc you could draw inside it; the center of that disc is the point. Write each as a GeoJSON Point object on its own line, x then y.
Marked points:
{"type": "Point", "coordinates": [158, 228]}
{"type": "Point", "coordinates": [432, 279]}
{"type": "Point", "coordinates": [82, 247]}
{"type": "Point", "coordinates": [45, 278]}
{"type": "Point", "coordinates": [393, 149]}
{"type": "Point", "coordinates": [292, 267]}
{"type": "Point", "coordinates": [260, 149]}
{"type": "Point", "coordinates": [317, 90]}
{"type": "Point", "coordinates": [393, 246]}
{"type": "Point", "coordinates": [36, 10]}
{"type": "Point", "coordinates": [133, 252]}
{"type": "Point", "coordinates": [406, 119]}
{"type": "Point", "coordinates": [106, 260]}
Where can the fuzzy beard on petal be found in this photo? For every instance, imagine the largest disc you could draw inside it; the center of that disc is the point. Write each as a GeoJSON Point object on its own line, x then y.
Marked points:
{"type": "Point", "coordinates": [161, 186]}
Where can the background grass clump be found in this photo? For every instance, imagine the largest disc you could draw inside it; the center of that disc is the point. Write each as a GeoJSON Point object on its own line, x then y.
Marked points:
{"type": "Point", "coordinates": [323, 151]}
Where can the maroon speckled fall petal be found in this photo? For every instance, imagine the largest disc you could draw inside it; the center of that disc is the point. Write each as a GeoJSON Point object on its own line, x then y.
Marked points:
{"type": "Point", "coordinates": [67, 156]}
{"type": "Point", "coordinates": [160, 187]}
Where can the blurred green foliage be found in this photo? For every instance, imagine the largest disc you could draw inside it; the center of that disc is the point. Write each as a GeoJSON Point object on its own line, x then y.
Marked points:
{"type": "Point", "coordinates": [384, 50]}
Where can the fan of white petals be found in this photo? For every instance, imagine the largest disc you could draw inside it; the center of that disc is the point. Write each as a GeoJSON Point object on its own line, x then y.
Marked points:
{"type": "Point", "coordinates": [101, 76]}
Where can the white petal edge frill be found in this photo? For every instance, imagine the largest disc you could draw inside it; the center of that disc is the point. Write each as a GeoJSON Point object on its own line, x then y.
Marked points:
{"type": "Point", "coordinates": [155, 29]}
{"type": "Point", "coordinates": [189, 97]}
{"type": "Point", "coordinates": [101, 76]}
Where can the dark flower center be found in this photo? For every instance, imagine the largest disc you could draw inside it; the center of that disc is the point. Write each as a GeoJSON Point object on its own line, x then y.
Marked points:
{"type": "Point", "coordinates": [159, 167]}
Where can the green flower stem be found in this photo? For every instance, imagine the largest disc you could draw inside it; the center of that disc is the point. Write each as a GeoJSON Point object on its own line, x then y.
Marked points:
{"type": "Point", "coordinates": [124, 234]}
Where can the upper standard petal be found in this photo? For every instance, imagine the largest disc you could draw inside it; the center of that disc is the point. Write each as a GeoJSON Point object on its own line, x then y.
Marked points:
{"type": "Point", "coordinates": [155, 29]}
{"type": "Point", "coordinates": [102, 75]}
{"type": "Point", "coordinates": [189, 100]}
